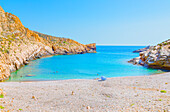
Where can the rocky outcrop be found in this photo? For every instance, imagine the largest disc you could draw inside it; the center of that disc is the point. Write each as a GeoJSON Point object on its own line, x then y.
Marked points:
{"type": "Point", "coordinates": [91, 47]}
{"type": "Point", "coordinates": [68, 46]}
{"type": "Point", "coordinates": [157, 57]}
{"type": "Point", "coordinates": [19, 45]}
{"type": "Point", "coordinates": [142, 50]}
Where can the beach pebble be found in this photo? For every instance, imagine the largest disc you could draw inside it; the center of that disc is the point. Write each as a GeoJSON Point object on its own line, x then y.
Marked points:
{"type": "Point", "coordinates": [88, 107]}
{"type": "Point", "coordinates": [30, 75]}
{"type": "Point", "coordinates": [33, 97]}
{"type": "Point", "coordinates": [72, 93]}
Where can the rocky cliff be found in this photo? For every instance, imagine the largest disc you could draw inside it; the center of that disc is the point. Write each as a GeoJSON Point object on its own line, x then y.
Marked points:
{"type": "Point", "coordinates": [142, 50]}
{"type": "Point", "coordinates": [157, 57]}
{"type": "Point", "coordinates": [19, 45]}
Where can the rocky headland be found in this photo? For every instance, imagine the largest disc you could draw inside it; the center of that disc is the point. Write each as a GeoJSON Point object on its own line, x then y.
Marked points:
{"type": "Point", "coordinates": [157, 56]}
{"type": "Point", "coordinates": [19, 45]}
{"type": "Point", "coordinates": [142, 50]}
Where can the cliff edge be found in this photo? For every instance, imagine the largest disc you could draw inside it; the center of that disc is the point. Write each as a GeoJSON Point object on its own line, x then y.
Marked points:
{"type": "Point", "coordinates": [19, 45]}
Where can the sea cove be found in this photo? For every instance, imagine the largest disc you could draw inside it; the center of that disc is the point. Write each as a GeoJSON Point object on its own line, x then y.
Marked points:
{"type": "Point", "coordinates": [84, 56]}
{"type": "Point", "coordinates": [109, 61]}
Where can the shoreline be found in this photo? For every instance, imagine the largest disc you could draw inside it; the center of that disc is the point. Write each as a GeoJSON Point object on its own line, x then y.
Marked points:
{"type": "Point", "coordinates": [163, 72]}
{"type": "Point", "coordinates": [44, 56]}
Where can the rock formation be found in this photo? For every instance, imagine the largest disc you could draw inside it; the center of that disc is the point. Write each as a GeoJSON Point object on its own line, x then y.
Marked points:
{"type": "Point", "coordinates": [19, 45]}
{"type": "Point", "coordinates": [157, 57]}
{"type": "Point", "coordinates": [142, 50]}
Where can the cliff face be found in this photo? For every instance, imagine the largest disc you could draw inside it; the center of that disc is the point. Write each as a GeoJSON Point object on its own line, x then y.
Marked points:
{"type": "Point", "coordinates": [157, 57]}
{"type": "Point", "coordinates": [67, 46]}
{"type": "Point", "coordinates": [18, 44]}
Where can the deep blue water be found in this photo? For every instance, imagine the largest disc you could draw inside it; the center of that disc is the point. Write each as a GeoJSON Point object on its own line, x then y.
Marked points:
{"type": "Point", "coordinates": [109, 61]}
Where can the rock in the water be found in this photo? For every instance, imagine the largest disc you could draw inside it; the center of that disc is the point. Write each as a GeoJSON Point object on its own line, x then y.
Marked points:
{"type": "Point", "coordinates": [157, 57]}
{"type": "Point", "coordinates": [30, 75]}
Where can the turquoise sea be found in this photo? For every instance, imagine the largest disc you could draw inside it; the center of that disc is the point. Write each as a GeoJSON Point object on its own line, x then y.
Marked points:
{"type": "Point", "coordinates": [109, 61]}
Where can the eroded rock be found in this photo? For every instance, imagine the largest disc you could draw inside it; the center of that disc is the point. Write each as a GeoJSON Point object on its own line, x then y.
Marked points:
{"type": "Point", "coordinates": [157, 57]}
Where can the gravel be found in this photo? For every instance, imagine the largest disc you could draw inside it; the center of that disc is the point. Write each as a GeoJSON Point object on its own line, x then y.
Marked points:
{"type": "Point", "coordinates": [127, 94]}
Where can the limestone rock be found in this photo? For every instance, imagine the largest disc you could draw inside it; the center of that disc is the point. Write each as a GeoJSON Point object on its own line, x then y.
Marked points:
{"type": "Point", "coordinates": [142, 50]}
{"type": "Point", "coordinates": [157, 57]}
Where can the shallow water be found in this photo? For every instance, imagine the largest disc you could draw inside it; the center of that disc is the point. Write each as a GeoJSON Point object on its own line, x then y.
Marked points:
{"type": "Point", "coordinates": [109, 61]}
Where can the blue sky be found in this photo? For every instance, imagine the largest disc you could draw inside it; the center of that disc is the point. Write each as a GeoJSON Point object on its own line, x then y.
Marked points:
{"type": "Point", "coordinates": [125, 22]}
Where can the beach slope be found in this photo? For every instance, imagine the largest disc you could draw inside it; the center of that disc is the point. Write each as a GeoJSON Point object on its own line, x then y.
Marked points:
{"type": "Point", "coordinates": [139, 93]}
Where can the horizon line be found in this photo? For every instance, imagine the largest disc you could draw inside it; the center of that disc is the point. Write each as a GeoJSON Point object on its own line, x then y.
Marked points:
{"type": "Point", "coordinates": [122, 44]}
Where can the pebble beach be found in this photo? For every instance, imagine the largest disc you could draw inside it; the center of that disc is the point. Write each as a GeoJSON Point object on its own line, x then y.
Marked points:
{"type": "Point", "coordinates": [127, 94]}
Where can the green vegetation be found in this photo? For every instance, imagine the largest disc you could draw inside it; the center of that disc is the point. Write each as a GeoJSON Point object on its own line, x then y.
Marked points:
{"type": "Point", "coordinates": [1, 49]}
{"type": "Point", "coordinates": [108, 96]}
{"type": "Point", "coordinates": [6, 51]}
{"type": "Point", "coordinates": [9, 43]}
{"type": "Point", "coordinates": [160, 44]}
{"type": "Point", "coordinates": [160, 99]}
{"type": "Point", "coordinates": [1, 95]}
{"type": "Point", "coordinates": [163, 91]}
{"type": "Point", "coordinates": [165, 43]}
{"type": "Point", "coordinates": [13, 35]}
{"type": "Point", "coordinates": [20, 109]}
{"type": "Point", "coordinates": [160, 47]}
{"type": "Point", "coordinates": [8, 36]}
{"type": "Point", "coordinates": [1, 107]}
{"type": "Point", "coordinates": [132, 104]}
